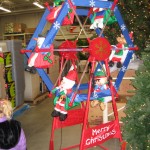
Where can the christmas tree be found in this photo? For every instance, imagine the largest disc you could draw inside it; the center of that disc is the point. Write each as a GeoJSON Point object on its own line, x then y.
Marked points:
{"type": "Point", "coordinates": [136, 14]}
{"type": "Point", "coordinates": [136, 128]}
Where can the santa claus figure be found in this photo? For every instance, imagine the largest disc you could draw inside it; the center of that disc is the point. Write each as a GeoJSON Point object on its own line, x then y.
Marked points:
{"type": "Point", "coordinates": [63, 92]}
{"type": "Point", "coordinates": [59, 110]}
{"type": "Point", "coordinates": [101, 83]}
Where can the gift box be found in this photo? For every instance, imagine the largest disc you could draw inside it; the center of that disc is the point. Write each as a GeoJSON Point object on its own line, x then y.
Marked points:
{"type": "Point", "coordinates": [97, 116]}
{"type": "Point", "coordinates": [3, 48]}
{"type": "Point", "coordinates": [30, 30]}
{"type": "Point", "coordinates": [32, 86]}
{"type": "Point", "coordinates": [126, 86]}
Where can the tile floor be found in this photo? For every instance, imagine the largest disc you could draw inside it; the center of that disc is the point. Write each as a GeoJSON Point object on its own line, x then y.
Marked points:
{"type": "Point", "coordinates": [37, 121]}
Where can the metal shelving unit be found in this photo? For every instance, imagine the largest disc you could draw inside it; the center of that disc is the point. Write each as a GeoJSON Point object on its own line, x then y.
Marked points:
{"type": "Point", "coordinates": [25, 37]}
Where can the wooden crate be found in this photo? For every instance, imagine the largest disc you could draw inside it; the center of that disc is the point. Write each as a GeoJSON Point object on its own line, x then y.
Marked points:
{"type": "Point", "coordinates": [126, 84]}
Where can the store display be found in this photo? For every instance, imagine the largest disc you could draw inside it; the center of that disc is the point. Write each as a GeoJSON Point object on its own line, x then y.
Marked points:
{"type": "Point", "coordinates": [24, 37]}
{"type": "Point", "coordinates": [99, 50]}
{"type": "Point", "coordinates": [8, 74]}
{"type": "Point", "coordinates": [10, 88]}
{"type": "Point", "coordinates": [12, 77]}
{"type": "Point", "coordinates": [104, 61]}
{"type": "Point", "coordinates": [7, 58]}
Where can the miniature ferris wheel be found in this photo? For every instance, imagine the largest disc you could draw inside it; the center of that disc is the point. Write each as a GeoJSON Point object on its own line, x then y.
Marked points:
{"type": "Point", "coordinates": [99, 49]}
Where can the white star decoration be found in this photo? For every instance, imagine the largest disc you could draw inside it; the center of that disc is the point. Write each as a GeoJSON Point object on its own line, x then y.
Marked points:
{"type": "Point", "coordinates": [123, 68]}
{"type": "Point", "coordinates": [77, 96]}
{"type": "Point", "coordinates": [56, 25]}
{"type": "Point", "coordinates": [130, 51]}
{"type": "Point", "coordinates": [115, 9]}
{"type": "Point", "coordinates": [130, 45]}
{"type": "Point", "coordinates": [110, 5]}
{"type": "Point", "coordinates": [92, 3]}
{"type": "Point", "coordinates": [95, 95]}
{"type": "Point", "coordinates": [68, 5]}
{"type": "Point", "coordinates": [123, 27]}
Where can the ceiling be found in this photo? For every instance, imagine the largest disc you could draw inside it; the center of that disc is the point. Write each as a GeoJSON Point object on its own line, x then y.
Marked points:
{"type": "Point", "coordinates": [21, 6]}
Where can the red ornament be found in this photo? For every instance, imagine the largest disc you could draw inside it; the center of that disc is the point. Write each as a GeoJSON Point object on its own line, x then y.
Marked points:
{"type": "Point", "coordinates": [71, 55]}
{"type": "Point", "coordinates": [100, 48]}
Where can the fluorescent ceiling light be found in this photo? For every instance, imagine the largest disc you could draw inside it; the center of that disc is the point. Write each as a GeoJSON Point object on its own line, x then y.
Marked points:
{"type": "Point", "coordinates": [37, 4]}
{"type": "Point", "coordinates": [4, 9]}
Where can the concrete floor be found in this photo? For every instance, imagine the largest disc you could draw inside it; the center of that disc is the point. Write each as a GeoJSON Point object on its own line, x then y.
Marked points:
{"type": "Point", "coordinates": [37, 121]}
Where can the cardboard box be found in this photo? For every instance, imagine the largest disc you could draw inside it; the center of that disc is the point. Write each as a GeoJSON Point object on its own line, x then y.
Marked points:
{"type": "Point", "coordinates": [3, 47]}
{"type": "Point", "coordinates": [96, 115]}
{"type": "Point", "coordinates": [120, 109]}
{"type": "Point", "coordinates": [82, 65]}
{"type": "Point", "coordinates": [128, 73]}
{"type": "Point", "coordinates": [14, 28]}
{"type": "Point", "coordinates": [54, 70]}
{"type": "Point", "coordinates": [30, 30]}
{"type": "Point", "coordinates": [19, 28]}
{"type": "Point", "coordinates": [126, 84]}
{"type": "Point", "coordinates": [32, 86]}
